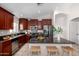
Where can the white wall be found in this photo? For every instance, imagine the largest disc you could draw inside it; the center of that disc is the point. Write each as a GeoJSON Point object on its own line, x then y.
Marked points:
{"type": "Point", "coordinates": [61, 20]}
{"type": "Point", "coordinates": [16, 25]}
{"type": "Point", "coordinates": [71, 11]}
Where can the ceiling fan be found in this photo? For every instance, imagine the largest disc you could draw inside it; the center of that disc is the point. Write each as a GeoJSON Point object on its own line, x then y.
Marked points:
{"type": "Point", "coordinates": [39, 4]}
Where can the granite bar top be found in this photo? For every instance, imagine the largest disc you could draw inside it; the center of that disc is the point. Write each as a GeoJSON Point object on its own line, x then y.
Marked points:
{"type": "Point", "coordinates": [54, 41]}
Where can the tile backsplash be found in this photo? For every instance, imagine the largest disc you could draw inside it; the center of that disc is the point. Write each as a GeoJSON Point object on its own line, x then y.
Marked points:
{"type": "Point", "coordinates": [4, 32]}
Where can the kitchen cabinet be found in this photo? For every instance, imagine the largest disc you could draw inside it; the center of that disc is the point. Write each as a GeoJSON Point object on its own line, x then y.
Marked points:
{"type": "Point", "coordinates": [27, 38]}
{"type": "Point", "coordinates": [0, 49]}
{"type": "Point", "coordinates": [46, 22]}
{"type": "Point", "coordinates": [2, 19]}
{"type": "Point", "coordinates": [32, 22]}
{"type": "Point", "coordinates": [15, 46]}
{"type": "Point", "coordinates": [40, 25]}
{"type": "Point", "coordinates": [7, 48]}
{"type": "Point", "coordinates": [6, 19]}
{"type": "Point", "coordinates": [21, 41]}
{"type": "Point", "coordinates": [23, 23]}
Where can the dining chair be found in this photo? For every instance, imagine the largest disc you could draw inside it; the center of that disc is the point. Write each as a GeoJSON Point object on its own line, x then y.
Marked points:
{"type": "Point", "coordinates": [52, 50]}
{"type": "Point", "coordinates": [69, 50]}
{"type": "Point", "coordinates": [35, 50]}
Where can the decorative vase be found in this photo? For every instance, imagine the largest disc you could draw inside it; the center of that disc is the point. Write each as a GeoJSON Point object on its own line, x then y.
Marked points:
{"type": "Point", "coordinates": [58, 37]}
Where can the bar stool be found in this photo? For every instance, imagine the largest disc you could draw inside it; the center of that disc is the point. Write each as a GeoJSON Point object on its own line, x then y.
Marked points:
{"type": "Point", "coordinates": [69, 50]}
{"type": "Point", "coordinates": [35, 50]}
{"type": "Point", "coordinates": [52, 50]}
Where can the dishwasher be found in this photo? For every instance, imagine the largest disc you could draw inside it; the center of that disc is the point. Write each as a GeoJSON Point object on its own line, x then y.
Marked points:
{"type": "Point", "coordinates": [14, 45]}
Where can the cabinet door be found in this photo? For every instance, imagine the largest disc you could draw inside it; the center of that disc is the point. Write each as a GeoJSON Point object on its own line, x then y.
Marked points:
{"type": "Point", "coordinates": [26, 24]}
{"type": "Point", "coordinates": [33, 22]}
{"type": "Point", "coordinates": [7, 48]}
{"type": "Point", "coordinates": [0, 49]}
{"type": "Point", "coordinates": [8, 21]}
{"type": "Point", "coordinates": [23, 23]}
{"type": "Point", "coordinates": [39, 25]}
{"type": "Point", "coordinates": [2, 19]}
{"type": "Point", "coordinates": [27, 38]}
{"type": "Point", "coordinates": [46, 21]}
{"type": "Point", "coordinates": [20, 41]}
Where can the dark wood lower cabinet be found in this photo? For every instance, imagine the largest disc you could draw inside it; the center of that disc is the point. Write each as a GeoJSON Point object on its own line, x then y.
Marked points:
{"type": "Point", "coordinates": [22, 40]}
{"type": "Point", "coordinates": [27, 38]}
{"type": "Point", "coordinates": [0, 49]}
{"type": "Point", "coordinates": [6, 45]}
{"type": "Point", "coordinates": [7, 48]}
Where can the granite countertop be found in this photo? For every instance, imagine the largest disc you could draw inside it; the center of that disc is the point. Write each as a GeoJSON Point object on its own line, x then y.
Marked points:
{"type": "Point", "coordinates": [17, 36]}
{"type": "Point", "coordinates": [12, 37]}
{"type": "Point", "coordinates": [54, 41]}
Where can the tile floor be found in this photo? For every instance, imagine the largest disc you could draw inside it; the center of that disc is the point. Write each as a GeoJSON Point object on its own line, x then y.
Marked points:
{"type": "Point", "coordinates": [25, 50]}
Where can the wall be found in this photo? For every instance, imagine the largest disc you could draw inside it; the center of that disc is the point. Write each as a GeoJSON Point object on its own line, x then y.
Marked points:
{"type": "Point", "coordinates": [16, 25]}
{"type": "Point", "coordinates": [72, 13]}
{"type": "Point", "coordinates": [47, 16]}
{"type": "Point", "coordinates": [61, 20]}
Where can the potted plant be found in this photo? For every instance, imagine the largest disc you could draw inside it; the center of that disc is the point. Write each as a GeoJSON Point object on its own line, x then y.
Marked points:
{"type": "Point", "coordinates": [57, 31]}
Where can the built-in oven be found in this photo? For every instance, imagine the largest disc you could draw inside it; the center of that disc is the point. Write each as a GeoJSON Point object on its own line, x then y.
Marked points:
{"type": "Point", "coordinates": [14, 45]}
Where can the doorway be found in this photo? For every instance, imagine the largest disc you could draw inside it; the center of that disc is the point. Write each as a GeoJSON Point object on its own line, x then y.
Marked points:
{"type": "Point", "coordinates": [74, 30]}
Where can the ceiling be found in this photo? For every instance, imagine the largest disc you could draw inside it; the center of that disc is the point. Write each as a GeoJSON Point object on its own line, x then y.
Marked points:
{"type": "Point", "coordinates": [32, 10]}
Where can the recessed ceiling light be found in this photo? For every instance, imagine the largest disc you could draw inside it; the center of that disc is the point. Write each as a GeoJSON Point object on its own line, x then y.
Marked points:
{"type": "Point", "coordinates": [21, 15]}
{"type": "Point", "coordinates": [39, 11]}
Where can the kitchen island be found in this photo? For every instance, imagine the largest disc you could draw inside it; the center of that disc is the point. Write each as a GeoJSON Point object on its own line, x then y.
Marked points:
{"type": "Point", "coordinates": [48, 40]}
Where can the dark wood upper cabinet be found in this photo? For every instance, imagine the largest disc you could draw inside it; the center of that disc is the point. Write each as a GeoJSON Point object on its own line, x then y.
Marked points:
{"type": "Point", "coordinates": [23, 22]}
{"type": "Point", "coordinates": [40, 25]}
{"type": "Point", "coordinates": [6, 19]}
{"type": "Point", "coordinates": [46, 21]}
{"type": "Point", "coordinates": [33, 22]}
